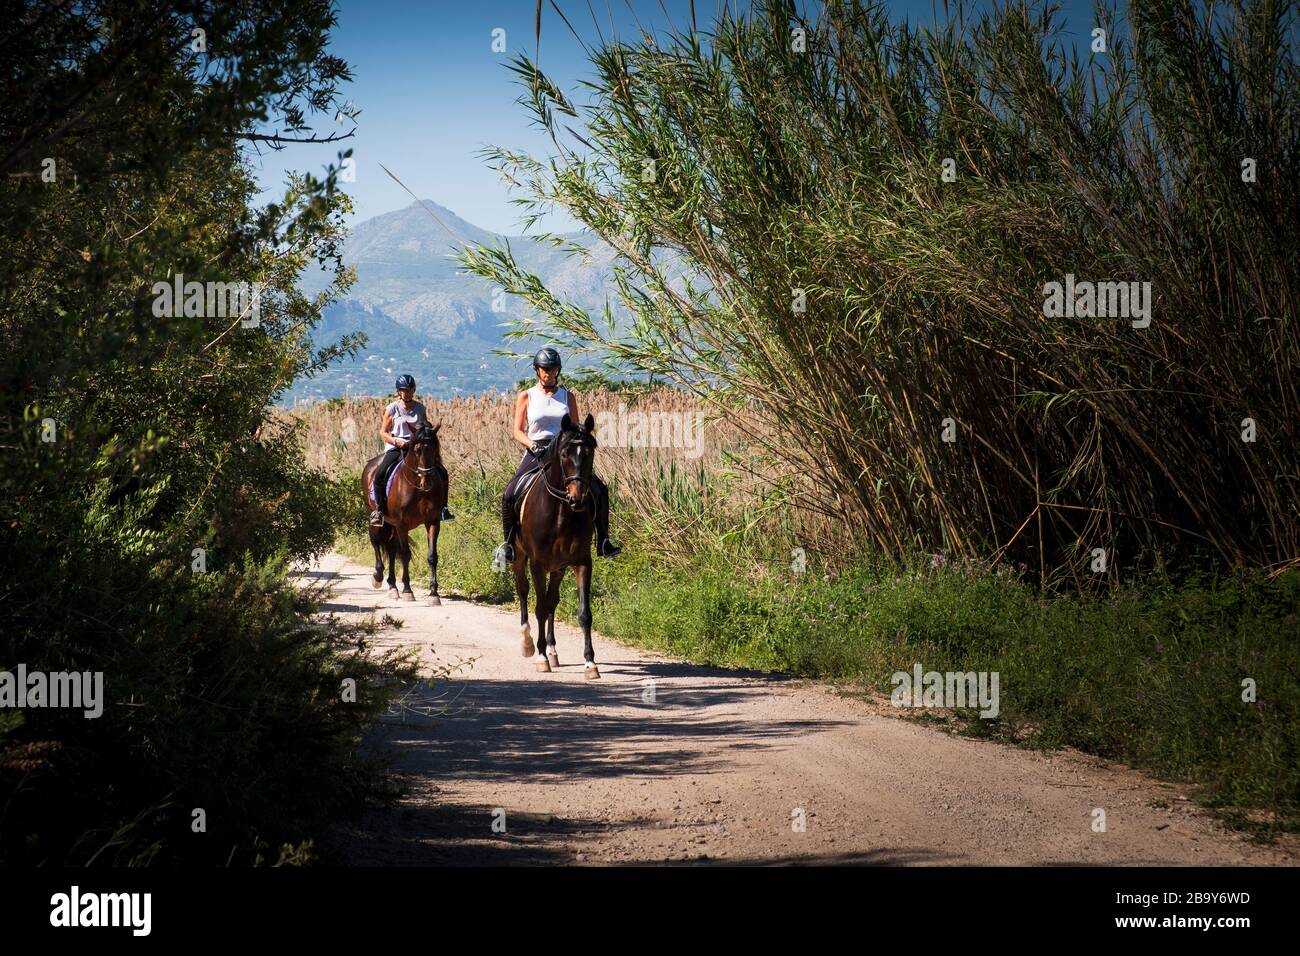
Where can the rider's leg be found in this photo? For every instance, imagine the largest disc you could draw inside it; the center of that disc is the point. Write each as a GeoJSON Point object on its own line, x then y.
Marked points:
{"type": "Point", "coordinates": [600, 495]}
{"type": "Point", "coordinates": [386, 464]}
{"type": "Point", "coordinates": [509, 524]}
{"type": "Point", "coordinates": [446, 480]}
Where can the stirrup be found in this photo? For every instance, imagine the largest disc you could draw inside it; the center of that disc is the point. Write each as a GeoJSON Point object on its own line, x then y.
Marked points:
{"type": "Point", "coordinates": [376, 518]}
{"type": "Point", "coordinates": [608, 549]}
{"type": "Point", "coordinates": [503, 557]}
{"type": "Point", "coordinates": [446, 514]}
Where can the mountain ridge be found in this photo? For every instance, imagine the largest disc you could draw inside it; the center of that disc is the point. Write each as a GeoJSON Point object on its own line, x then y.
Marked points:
{"type": "Point", "coordinates": [423, 316]}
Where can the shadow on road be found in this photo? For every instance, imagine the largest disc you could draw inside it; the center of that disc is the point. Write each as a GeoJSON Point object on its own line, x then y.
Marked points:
{"type": "Point", "coordinates": [317, 575]}
{"type": "Point", "coordinates": [500, 730]}
{"type": "Point", "coordinates": [509, 731]}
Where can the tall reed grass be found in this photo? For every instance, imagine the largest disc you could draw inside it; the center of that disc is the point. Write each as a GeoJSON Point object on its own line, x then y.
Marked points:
{"type": "Point", "coordinates": [869, 212]}
{"type": "Point", "coordinates": [690, 500]}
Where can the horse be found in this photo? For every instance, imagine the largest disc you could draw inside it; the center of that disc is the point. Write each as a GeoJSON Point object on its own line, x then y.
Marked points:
{"type": "Point", "coordinates": [556, 522]}
{"type": "Point", "coordinates": [417, 496]}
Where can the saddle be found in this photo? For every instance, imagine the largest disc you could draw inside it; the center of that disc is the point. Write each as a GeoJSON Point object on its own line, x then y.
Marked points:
{"type": "Point", "coordinates": [526, 481]}
{"type": "Point", "coordinates": [388, 485]}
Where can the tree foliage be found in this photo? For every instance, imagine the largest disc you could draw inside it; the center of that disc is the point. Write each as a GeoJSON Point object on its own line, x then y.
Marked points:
{"type": "Point", "coordinates": [150, 502]}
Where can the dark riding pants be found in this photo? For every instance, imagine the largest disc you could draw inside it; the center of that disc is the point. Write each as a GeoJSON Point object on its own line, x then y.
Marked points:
{"type": "Point", "coordinates": [599, 495]}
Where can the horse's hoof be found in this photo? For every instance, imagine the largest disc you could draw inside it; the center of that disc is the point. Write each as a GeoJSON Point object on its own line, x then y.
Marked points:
{"type": "Point", "coordinates": [392, 593]}
{"type": "Point", "coordinates": [408, 596]}
{"type": "Point", "coordinates": [591, 673]}
{"type": "Point", "coordinates": [542, 667]}
{"type": "Point", "coordinates": [554, 658]}
{"type": "Point", "coordinates": [433, 601]}
{"type": "Point", "coordinates": [376, 583]}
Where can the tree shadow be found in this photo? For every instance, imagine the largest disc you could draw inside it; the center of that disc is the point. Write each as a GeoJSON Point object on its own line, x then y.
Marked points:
{"type": "Point", "coordinates": [317, 574]}
{"type": "Point", "coordinates": [508, 732]}
{"type": "Point", "coordinates": [499, 731]}
{"type": "Point", "coordinates": [342, 608]}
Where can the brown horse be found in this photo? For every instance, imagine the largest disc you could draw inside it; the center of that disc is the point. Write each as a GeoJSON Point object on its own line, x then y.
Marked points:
{"type": "Point", "coordinates": [555, 529]}
{"type": "Point", "coordinates": [417, 498]}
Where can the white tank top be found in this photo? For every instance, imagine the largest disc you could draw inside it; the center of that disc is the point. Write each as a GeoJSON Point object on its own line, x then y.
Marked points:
{"type": "Point", "coordinates": [545, 412]}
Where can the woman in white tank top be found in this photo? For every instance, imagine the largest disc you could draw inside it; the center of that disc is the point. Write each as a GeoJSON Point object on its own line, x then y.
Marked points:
{"type": "Point", "coordinates": [546, 410]}
{"type": "Point", "coordinates": [538, 414]}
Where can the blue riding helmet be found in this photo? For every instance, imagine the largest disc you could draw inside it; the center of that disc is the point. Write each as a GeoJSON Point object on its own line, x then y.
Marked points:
{"type": "Point", "coordinates": [405, 381]}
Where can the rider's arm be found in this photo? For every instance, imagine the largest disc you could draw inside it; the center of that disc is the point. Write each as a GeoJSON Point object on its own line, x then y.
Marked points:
{"type": "Point", "coordinates": [384, 430]}
{"type": "Point", "coordinates": [521, 421]}
{"type": "Point", "coordinates": [573, 407]}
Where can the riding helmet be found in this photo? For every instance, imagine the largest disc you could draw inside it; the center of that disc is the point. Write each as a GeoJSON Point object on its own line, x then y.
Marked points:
{"type": "Point", "coordinates": [405, 381]}
{"type": "Point", "coordinates": [546, 358]}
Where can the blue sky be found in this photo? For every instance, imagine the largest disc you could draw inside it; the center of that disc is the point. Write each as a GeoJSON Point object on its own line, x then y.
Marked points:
{"type": "Point", "coordinates": [432, 93]}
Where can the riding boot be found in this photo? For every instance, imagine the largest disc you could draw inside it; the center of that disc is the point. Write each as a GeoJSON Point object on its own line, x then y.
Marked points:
{"type": "Point", "coordinates": [509, 523]}
{"type": "Point", "coordinates": [446, 480]}
{"type": "Point", "coordinates": [604, 547]}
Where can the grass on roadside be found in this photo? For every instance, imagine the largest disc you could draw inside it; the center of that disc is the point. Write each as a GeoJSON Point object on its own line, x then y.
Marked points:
{"type": "Point", "coordinates": [1152, 677]}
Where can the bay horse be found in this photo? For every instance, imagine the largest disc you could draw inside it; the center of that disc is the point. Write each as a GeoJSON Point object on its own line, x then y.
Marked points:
{"type": "Point", "coordinates": [556, 522]}
{"type": "Point", "coordinates": [416, 497]}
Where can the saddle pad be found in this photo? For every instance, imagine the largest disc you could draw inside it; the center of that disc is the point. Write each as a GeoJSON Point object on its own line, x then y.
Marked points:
{"type": "Point", "coordinates": [387, 487]}
{"type": "Point", "coordinates": [521, 493]}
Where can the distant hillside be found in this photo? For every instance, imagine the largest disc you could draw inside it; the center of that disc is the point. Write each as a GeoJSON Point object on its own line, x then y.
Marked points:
{"type": "Point", "coordinates": [422, 317]}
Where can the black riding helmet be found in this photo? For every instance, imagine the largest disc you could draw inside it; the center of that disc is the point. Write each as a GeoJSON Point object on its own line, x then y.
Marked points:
{"type": "Point", "coordinates": [547, 358]}
{"type": "Point", "coordinates": [405, 381]}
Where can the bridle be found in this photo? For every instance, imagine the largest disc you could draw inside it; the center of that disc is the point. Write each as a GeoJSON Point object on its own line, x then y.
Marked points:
{"type": "Point", "coordinates": [560, 494]}
{"type": "Point", "coordinates": [420, 472]}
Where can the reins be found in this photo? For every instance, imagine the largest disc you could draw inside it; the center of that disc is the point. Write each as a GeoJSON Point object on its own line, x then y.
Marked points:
{"type": "Point", "coordinates": [561, 494]}
{"type": "Point", "coordinates": [420, 472]}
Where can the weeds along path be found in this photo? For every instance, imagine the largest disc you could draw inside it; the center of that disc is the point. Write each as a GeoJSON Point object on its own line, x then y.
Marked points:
{"type": "Point", "coordinates": [720, 766]}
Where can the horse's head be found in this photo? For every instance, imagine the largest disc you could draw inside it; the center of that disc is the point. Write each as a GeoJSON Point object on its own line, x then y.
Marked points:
{"type": "Point", "coordinates": [576, 451]}
{"type": "Point", "coordinates": [425, 452]}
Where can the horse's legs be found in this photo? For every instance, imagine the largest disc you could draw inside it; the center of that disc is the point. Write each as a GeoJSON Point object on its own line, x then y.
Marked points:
{"type": "Point", "coordinates": [552, 599]}
{"type": "Point", "coordinates": [390, 547]}
{"type": "Point", "coordinates": [521, 588]}
{"type": "Point", "coordinates": [539, 582]}
{"type": "Point", "coordinates": [377, 579]}
{"type": "Point", "coordinates": [404, 551]}
{"type": "Point", "coordinates": [582, 573]}
{"type": "Point", "coordinates": [432, 530]}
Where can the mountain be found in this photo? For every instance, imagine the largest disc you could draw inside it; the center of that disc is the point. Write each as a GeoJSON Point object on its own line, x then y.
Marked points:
{"type": "Point", "coordinates": [421, 316]}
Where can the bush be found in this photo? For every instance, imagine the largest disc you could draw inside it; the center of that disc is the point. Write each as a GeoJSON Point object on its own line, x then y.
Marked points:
{"type": "Point", "coordinates": [150, 504]}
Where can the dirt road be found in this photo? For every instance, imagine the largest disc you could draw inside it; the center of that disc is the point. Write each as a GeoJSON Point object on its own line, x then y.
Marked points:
{"type": "Point", "coordinates": [661, 761]}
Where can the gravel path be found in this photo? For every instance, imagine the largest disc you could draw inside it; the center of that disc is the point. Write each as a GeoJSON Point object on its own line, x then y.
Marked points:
{"type": "Point", "coordinates": [662, 761]}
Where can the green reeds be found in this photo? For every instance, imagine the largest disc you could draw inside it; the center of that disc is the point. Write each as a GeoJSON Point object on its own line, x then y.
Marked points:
{"type": "Point", "coordinates": [841, 231]}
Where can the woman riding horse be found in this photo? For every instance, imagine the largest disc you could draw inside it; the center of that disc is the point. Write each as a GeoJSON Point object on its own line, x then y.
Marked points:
{"type": "Point", "coordinates": [538, 414]}
{"type": "Point", "coordinates": [401, 419]}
